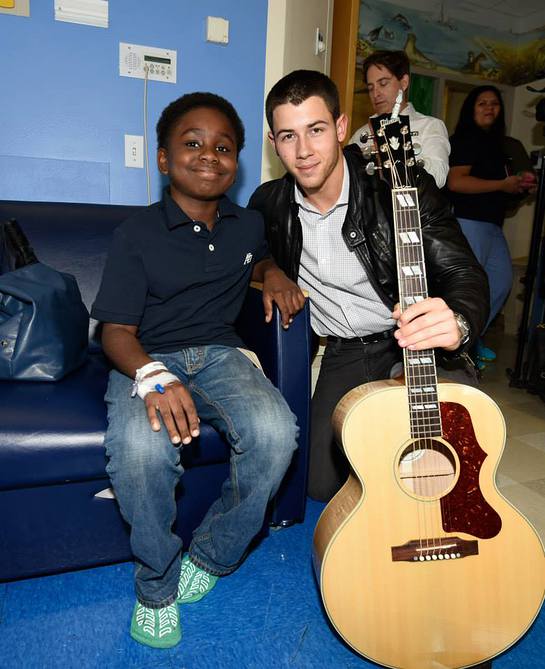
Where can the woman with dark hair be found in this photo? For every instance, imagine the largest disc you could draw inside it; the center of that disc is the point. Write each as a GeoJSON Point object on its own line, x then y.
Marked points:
{"type": "Point", "coordinates": [482, 184]}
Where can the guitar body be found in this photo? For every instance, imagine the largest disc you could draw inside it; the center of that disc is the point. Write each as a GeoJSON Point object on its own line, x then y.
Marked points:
{"type": "Point", "coordinates": [416, 577]}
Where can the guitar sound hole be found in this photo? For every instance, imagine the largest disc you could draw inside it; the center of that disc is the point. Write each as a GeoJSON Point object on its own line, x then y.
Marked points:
{"type": "Point", "coordinates": [427, 468]}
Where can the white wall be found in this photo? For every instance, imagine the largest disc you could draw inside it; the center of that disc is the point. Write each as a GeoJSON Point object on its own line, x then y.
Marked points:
{"type": "Point", "coordinates": [291, 26]}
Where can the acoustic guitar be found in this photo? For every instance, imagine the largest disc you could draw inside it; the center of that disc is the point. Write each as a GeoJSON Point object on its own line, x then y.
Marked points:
{"type": "Point", "coordinates": [422, 564]}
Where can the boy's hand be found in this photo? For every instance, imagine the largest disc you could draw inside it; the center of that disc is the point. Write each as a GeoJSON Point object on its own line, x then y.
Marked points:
{"type": "Point", "coordinates": [177, 409]}
{"type": "Point", "coordinates": [287, 295]}
{"type": "Point", "coordinates": [278, 288]}
{"type": "Point", "coordinates": [427, 324]}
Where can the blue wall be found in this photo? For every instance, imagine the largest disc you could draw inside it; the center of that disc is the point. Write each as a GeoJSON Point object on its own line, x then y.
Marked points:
{"type": "Point", "coordinates": [64, 108]}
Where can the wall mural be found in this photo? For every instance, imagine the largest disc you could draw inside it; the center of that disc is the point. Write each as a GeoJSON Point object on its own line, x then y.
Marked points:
{"type": "Point", "coordinates": [434, 40]}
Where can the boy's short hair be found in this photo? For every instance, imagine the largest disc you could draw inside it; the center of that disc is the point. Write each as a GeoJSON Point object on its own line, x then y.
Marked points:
{"type": "Point", "coordinates": [396, 62]}
{"type": "Point", "coordinates": [175, 110]}
{"type": "Point", "coordinates": [297, 87]}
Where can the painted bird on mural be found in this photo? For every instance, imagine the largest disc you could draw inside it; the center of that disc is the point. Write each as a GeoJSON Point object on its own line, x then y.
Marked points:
{"type": "Point", "coordinates": [415, 55]}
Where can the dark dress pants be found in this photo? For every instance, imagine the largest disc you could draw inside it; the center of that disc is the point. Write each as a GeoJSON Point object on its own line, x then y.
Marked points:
{"type": "Point", "coordinates": [345, 365]}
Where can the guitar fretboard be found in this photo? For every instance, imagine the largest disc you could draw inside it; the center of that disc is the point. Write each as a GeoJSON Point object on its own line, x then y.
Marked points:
{"type": "Point", "coordinates": [420, 372]}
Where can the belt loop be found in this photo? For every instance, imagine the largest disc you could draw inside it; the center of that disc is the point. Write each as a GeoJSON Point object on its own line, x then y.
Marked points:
{"type": "Point", "coordinates": [336, 344]}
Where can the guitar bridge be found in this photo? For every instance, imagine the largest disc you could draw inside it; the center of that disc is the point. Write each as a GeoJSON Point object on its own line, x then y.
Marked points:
{"type": "Point", "coordinates": [428, 550]}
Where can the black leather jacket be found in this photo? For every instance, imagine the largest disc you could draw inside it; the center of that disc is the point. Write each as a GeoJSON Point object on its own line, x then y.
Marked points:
{"type": "Point", "coordinates": [453, 271]}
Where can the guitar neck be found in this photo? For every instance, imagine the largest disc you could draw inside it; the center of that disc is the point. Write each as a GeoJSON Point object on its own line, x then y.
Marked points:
{"type": "Point", "coordinates": [420, 370]}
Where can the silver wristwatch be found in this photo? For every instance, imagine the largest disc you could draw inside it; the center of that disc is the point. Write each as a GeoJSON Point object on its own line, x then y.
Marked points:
{"type": "Point", "coordinates": [464, 328]}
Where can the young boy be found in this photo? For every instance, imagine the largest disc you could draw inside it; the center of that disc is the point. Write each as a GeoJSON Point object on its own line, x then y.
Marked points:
{"type": "Point", "coordinates": [173, 285]}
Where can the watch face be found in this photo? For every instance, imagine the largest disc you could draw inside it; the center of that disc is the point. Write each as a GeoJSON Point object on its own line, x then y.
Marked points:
{"type": "Point", "coordinates": [463, 327]}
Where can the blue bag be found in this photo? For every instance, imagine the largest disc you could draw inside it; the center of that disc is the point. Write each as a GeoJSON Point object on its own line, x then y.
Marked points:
{"type": "Point", "coordinates": [44, 324]}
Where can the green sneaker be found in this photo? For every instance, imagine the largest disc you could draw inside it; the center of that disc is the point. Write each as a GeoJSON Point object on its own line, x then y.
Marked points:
{"type": "Point", "coordinates": [158, 628]}
{"type": "Point", "coordinates": [194, 583]}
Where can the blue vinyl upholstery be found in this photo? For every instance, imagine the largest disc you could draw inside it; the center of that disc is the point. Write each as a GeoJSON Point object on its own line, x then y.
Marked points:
{"type": "Point", "coordinates": [52, 462]}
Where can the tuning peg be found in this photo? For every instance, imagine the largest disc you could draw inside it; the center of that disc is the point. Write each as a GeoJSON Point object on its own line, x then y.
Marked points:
{"type": "Point", "coordinates": [367, 153]}
{"type": "Point", "coordinates": [365, 137]}
{"type": "Point", "coordinates": [417, 149]}
{"type": "Point", "coordinates": [370, 168]}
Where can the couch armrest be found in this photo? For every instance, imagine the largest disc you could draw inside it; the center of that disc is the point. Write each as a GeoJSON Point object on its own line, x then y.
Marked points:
{"type": "Point", "coordinates": [285, 356]}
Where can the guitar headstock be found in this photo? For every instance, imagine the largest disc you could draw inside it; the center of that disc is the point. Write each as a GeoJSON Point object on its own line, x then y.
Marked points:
{"type": "Point", "coordinates": [395, 149]}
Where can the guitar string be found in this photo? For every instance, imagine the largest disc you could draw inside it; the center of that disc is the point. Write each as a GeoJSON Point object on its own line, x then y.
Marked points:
{"type": "Point", "coordinates": [424, 423]}
{"type": "Point", "coordinates": [410, 282]}
{"type": "Point", "coordinates": [397, 246]}
{"type": "Point", "coordinates": [398, 227]}
{"type": "Point", "coordinates": [427, 416]}
{"type": "Point", "coordinates": [432, 418]}
{"type": "Point", "coordinates": [417, 414]}
{"type": "Point", "coordinates": [440, 533]}
{"type": "Point", "coordinates": [421, 519]}
{"type": "Point", "coordinates": [414, 460]}
{"type": "Point", "coordinates": [425, 381]}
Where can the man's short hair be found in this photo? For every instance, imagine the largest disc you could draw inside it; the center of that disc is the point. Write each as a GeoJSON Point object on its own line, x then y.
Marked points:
{"type": "Point", "coordinates": [175, 110]}
{"type": "Point", "coordinates": [298, 86]}
{"type": "Point", "coordinates": [394, 61]}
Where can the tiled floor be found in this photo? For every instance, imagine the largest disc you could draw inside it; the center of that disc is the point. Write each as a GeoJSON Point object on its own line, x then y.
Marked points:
{"type": "Point", "coordinates": [521, 473]}
{"type": "Point", "coordinates": [268, 614]}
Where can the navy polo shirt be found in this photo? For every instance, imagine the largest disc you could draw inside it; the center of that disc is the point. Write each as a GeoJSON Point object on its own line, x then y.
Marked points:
{"type": "Point", "coordinates": [181, 284]}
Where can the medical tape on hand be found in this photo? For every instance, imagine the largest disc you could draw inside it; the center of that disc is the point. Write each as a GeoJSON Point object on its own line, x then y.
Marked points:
{"type": "Point", "coordinates": [150, 383]}
{"type": "Point", "coordinates": [153, 366]}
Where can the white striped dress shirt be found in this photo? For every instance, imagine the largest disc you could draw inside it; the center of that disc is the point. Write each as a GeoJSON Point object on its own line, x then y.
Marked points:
{"type": "Point", "coordinates": [342, 300]}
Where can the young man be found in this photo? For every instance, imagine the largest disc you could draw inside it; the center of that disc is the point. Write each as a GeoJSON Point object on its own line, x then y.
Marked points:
{"type": "Point", "coordinates": [328, 228]}
{"type": "Point", "coordinates": [385, 74]}
{"type": "Point", "coordinates": [173, 285]}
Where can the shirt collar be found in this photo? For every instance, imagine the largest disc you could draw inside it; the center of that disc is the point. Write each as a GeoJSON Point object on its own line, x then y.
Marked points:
{"type": "Point", "coordinates": [176, 216]}
{"type": "Point", "coordinates": [408, 110]}
{"type": "Point", "coordinates": [342, 199]}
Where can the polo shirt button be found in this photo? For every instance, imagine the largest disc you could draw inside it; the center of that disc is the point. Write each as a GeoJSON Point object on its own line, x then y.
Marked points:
{"type": "Point", "coordinates": [210, 247]}
{"type": "Point", "coordinates": [197, 228]}
{"type": "Point", "coordinates": [352, 235]}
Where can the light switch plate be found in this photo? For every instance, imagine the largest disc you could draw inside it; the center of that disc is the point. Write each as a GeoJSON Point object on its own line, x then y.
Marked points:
{"type": "Point", "coordinates": [217, 30]}
{"type": "Point", "coordinates": [134, 151]}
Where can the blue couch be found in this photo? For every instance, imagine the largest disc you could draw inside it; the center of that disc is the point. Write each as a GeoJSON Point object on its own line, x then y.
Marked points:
{"type": "Point", "coordinates": [52, 462]}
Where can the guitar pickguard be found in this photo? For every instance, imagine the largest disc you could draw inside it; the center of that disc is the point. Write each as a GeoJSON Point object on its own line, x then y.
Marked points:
{"type": "Point", "coordinates": [465, 509]}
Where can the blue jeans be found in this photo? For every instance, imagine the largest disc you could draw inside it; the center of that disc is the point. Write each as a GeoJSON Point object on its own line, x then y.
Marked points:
{"type": "Point", "coordinates": [236, 398]}
{"type": "Point", "coordinates": [489, 245]}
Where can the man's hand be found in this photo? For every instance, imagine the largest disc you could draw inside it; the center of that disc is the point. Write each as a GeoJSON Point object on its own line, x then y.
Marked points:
{"type": "Point", "coordinates": [427, 324]}
{"type": "Point", "coordinates": [277, 288]}
{"type": "Point", "coordinates": [177, 410]}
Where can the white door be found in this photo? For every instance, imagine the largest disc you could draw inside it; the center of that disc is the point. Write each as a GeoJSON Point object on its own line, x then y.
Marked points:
{"type": "Point", "coordinates": [298, 37]}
